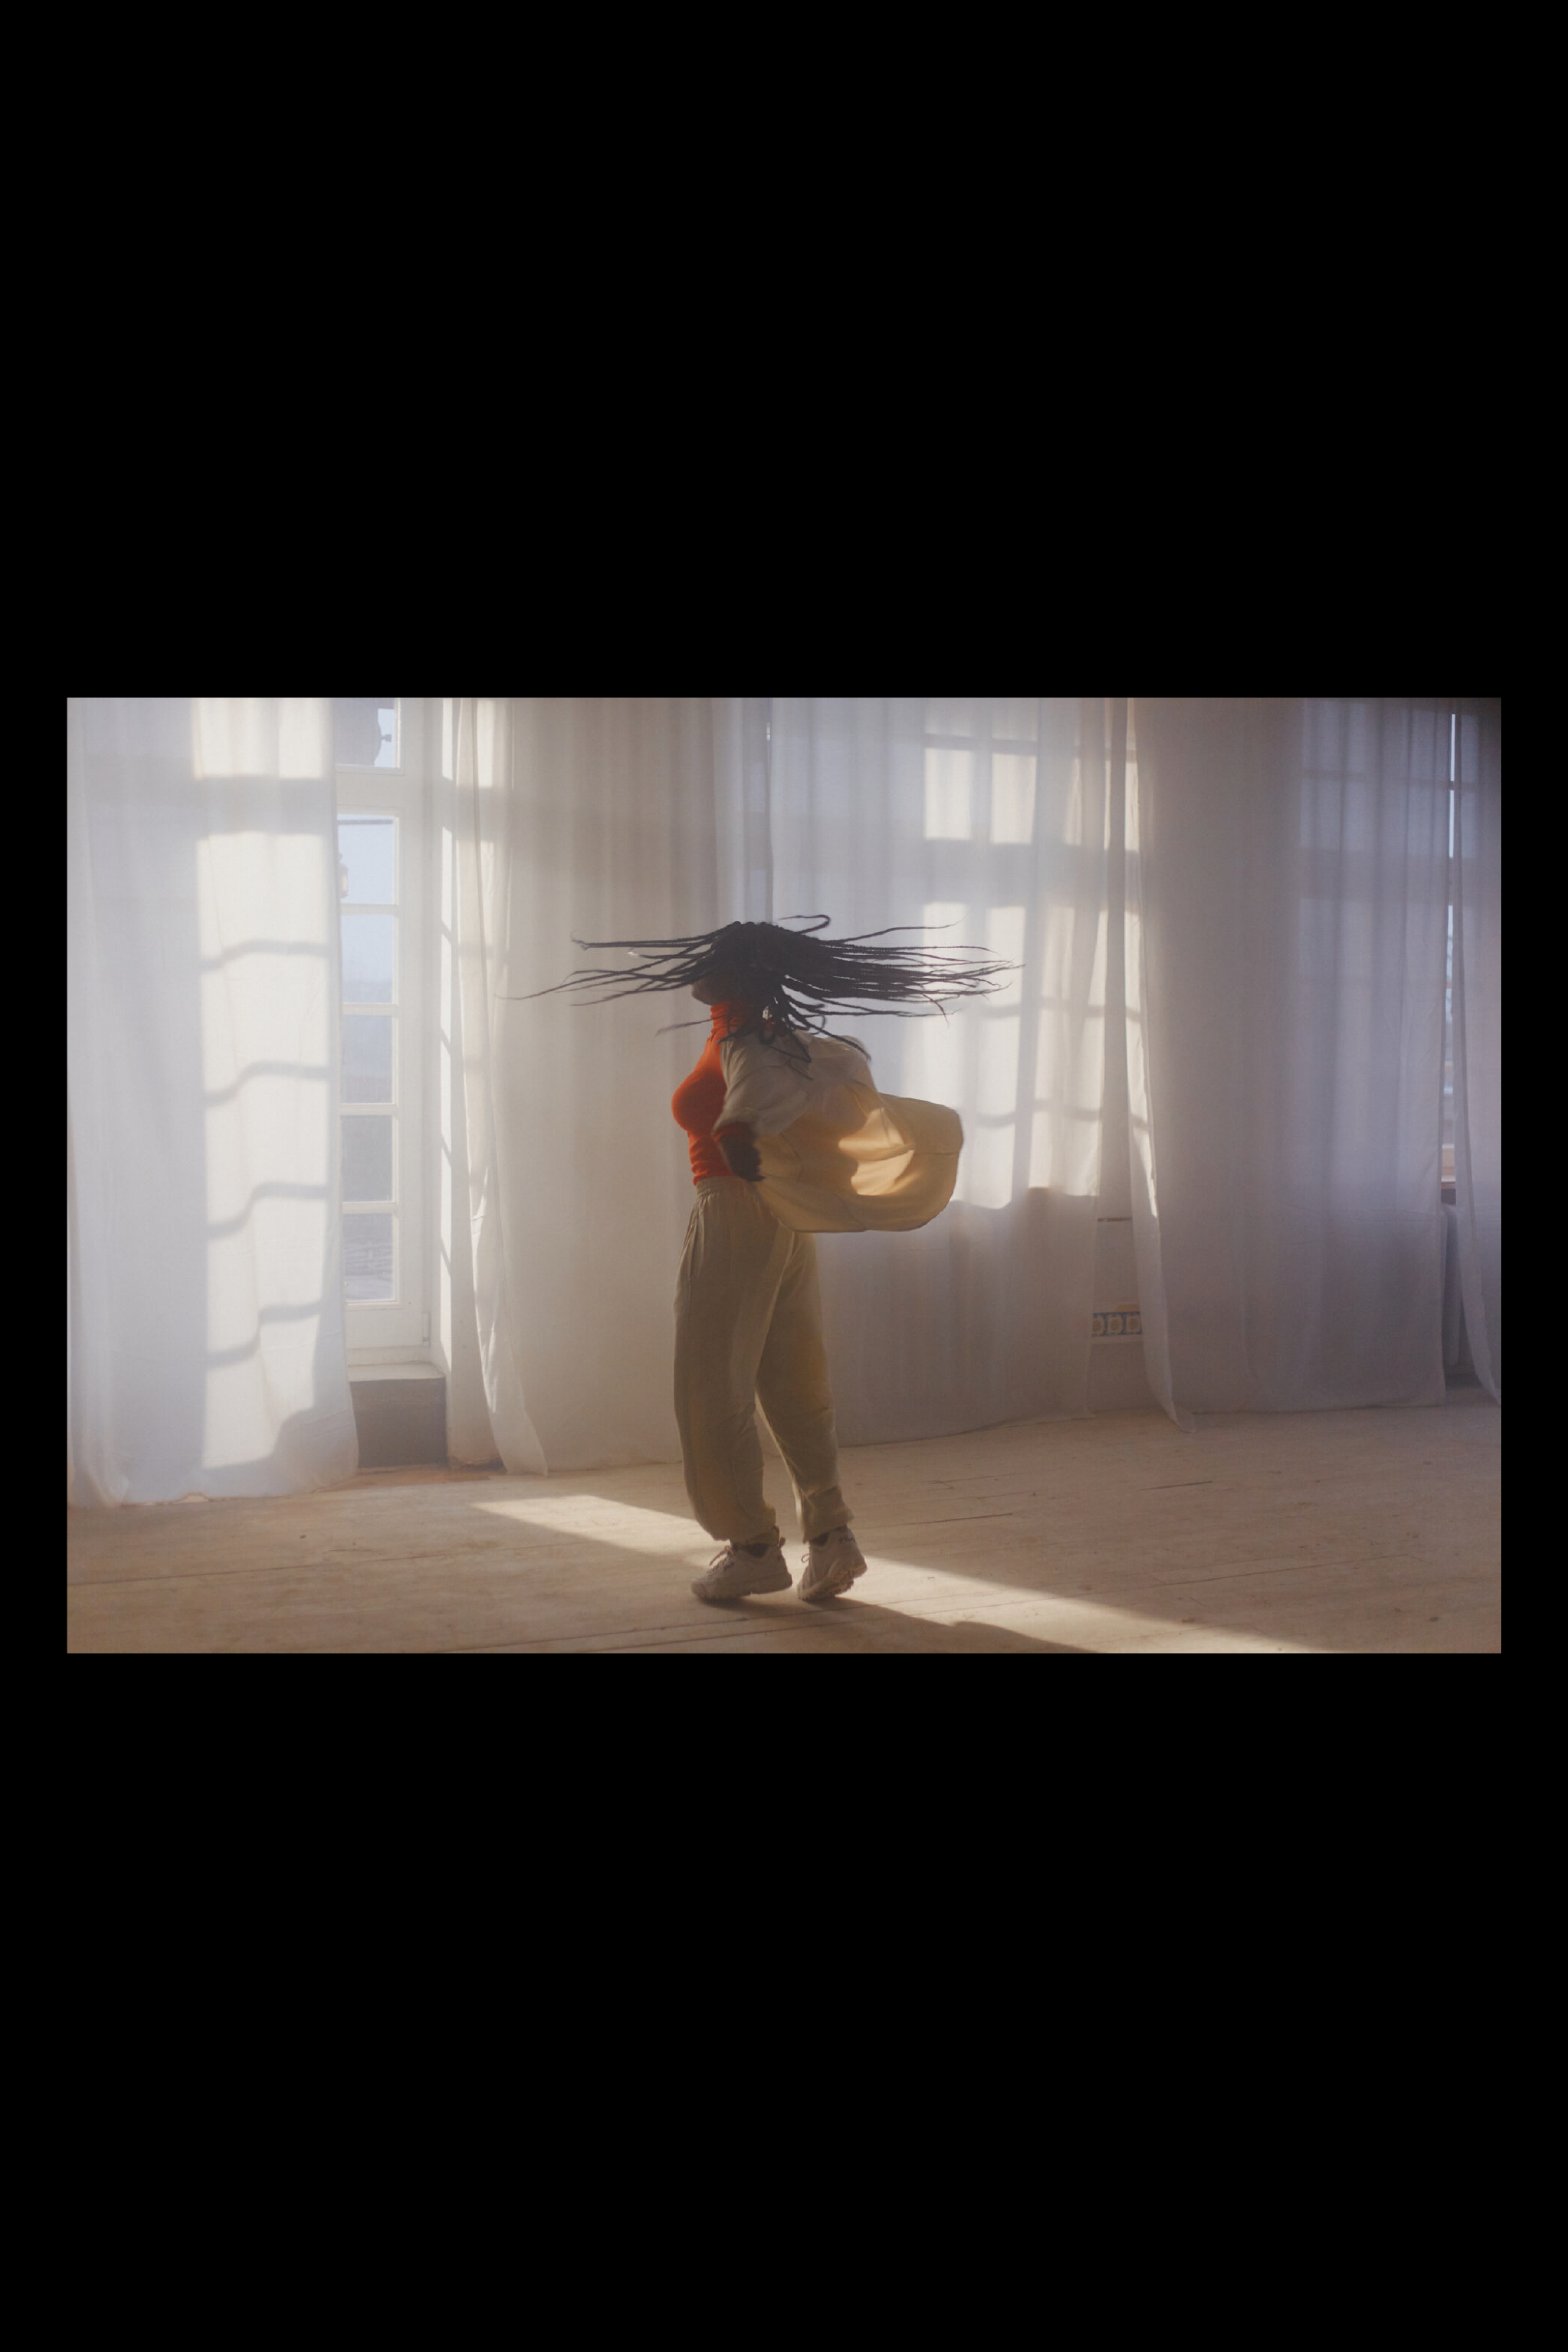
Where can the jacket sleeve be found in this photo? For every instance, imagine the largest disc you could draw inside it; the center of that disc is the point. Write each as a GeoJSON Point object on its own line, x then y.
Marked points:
{"type": "Point", "coordinates": [765, 1092]}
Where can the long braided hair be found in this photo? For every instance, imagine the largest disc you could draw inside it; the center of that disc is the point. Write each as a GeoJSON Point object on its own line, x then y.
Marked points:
{"type": "Point", "coordinates": [794, 978]}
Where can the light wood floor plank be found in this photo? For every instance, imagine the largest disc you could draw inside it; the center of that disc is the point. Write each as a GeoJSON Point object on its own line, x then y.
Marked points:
{"type": "Point", "coordinates": [1369, 1531]}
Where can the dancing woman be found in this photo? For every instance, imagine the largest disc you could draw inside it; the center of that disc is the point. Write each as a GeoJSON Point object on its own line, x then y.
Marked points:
{"type": "Point", "coordinates": [789, 1138]}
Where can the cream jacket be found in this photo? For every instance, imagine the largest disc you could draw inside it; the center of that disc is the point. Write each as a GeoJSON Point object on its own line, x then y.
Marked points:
{"type": "Point", "coordinates": [836, 1155]}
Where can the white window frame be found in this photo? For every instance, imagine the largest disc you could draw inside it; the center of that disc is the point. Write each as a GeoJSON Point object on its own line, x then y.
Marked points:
{"type": "Point", "coordinates": [399, 1330]}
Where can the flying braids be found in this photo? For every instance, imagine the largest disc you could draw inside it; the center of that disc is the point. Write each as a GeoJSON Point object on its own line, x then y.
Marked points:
{"type": "Point", "coordinates": [796, 979]}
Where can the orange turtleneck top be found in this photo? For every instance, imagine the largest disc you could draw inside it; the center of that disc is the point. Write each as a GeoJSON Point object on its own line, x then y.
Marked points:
{"type": "Point", "coordinates": [698, 1099]}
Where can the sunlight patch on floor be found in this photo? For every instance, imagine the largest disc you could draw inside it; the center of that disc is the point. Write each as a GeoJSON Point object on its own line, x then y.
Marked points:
{"type": "Point", "coordinates": [1071, 1620]}
{"type": "Point", "coordinates": [928, 1594]}
{"type": "Point", "coordinates": [625, 1525]}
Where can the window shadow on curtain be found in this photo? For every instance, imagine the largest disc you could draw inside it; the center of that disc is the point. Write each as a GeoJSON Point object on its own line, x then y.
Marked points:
{"type": "Point", "coordinates": [205, 1318]}
{"type": "Point", "coordinates": [984, 818]}
{"type": "Point", "coordinates": [1291, 869]}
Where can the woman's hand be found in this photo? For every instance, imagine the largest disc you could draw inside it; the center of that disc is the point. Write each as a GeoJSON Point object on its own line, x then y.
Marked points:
{"type": "Point", "coordinates": [741, 1155]}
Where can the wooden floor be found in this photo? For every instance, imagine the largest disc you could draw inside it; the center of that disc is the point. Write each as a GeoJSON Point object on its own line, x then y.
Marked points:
{"type": "Point", "coordinates": [1362, 1532]}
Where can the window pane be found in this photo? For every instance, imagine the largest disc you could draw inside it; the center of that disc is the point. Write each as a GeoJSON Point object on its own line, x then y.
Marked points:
{"type": "Point", "coordinates": [366, 861]}
{"type": "Point", "coordinates": [364, 730]}
{"type": "Point", "coordinates": [367, 1258]}
{"type": "Point", "coordinates": [1012, 796]}
{"type": "Point", "coordinates": [367, 1158]}
{"type": "Point", "coordinates": [367, 1058]}
{"type": "Point", "coordinates": [950, 778]}
{"type": "Point", "coordinates": [368, 953]}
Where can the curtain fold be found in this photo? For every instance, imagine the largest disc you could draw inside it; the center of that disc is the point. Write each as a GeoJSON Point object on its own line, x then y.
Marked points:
{"type": "Point", "coordinates": [1292, 876]}
{"type": "Point", "coordinates": [1477, 1029]}
{"type": "Point", "coordinates": [982, 819]}
{"type": "Point", "coordinates": [603, 817]}
{"type": "Point", "coordinates": [484, 810]}
{"type": "Point", "coordinates": [1142, 1127]}
{"type": "Point", "coordinates": [204, 1296]}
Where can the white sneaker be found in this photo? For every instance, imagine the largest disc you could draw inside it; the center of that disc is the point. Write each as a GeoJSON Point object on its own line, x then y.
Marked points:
{"type": "Point", "coordinates": [831, 1566]}
{"type": "Point", "coordinates": [735, 1571]}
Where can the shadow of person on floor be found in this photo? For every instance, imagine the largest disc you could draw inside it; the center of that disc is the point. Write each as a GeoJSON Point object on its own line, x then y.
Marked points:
{"type": "Point", "coordinates": [847, 1623]}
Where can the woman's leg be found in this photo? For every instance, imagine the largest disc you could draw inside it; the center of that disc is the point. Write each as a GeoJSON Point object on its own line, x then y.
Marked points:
{"type": "Point", "coordinates": [793, 1390]}
{"type": "Point", "coordinates": [735, 1256]}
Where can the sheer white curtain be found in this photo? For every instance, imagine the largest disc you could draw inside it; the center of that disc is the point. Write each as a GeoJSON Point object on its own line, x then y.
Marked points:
{"type": "Point", "coordinates": [566, 1179]}
{"type": "Point", "coordinates": [1141, 1170]}
{"type": "Point", "coordinates": [1477, 1029]}
{"type": "Point", "coordinates": [1288, 882]}
{"type": "Point", "coordinates": [648, 819]}
{"type": "Point", "coordinates": [985, 818]}
{"type": "Point", "coordinates": [1286, 888]}
{"type": "Point", "coordinates": [205, 1303]}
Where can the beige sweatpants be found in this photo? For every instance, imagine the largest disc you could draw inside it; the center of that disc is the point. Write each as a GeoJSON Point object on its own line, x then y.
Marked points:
{"type": "Point", "coordinates": [748, 1331]}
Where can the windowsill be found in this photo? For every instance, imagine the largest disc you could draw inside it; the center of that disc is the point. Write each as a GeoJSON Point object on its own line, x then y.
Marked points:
{"type": "Point", "coordinates": [407, 1369]}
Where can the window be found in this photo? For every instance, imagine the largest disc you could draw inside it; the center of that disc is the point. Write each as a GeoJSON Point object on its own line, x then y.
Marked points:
{"type": "Point", "coordinates": [380, 792]}
{"type": "Point", "coordinates": [1004, 816]}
